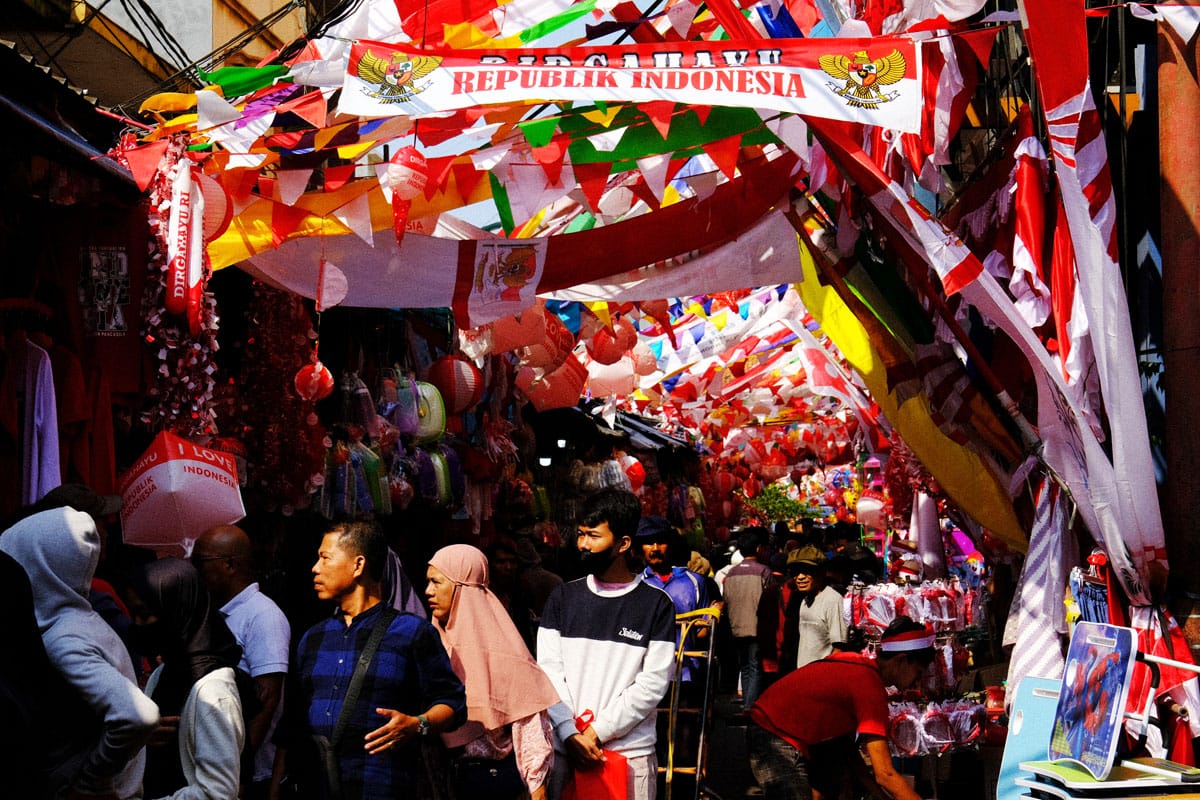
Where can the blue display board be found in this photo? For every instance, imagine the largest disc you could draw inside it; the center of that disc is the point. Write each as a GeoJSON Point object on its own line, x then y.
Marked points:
{"type": "Point", "coordinates": [1030, 725]}
{"type": "Point", "coordinates": [1092, 696]}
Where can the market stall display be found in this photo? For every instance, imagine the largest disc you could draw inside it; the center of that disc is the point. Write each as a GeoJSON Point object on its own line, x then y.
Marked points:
{"type": "Point", "coordinates": [719, 235]}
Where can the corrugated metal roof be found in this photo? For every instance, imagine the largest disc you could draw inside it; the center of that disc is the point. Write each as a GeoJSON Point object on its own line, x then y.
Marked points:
{"type": "Point", "coordinates": [62, 115]}
{"type": "Point", "coordinates": [50, 75]}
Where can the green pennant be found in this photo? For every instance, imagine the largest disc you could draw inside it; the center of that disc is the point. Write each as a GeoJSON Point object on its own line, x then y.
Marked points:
{"type": "Point", "coordinates": [584, 222]}
{"type": "Point", "coordinates": [557, 21]}
{"type": "Point", "coordinates": [539, 132]}
{"type": "Point", "coordinates": [687, 136]}
{"type": "Point", "coordinates": [240, 81]}
{"type": "Point", "coordinates": [500, 198]}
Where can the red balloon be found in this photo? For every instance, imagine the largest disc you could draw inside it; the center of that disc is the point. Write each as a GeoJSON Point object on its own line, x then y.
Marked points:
{"type": "Point", "coordinates": [459, 381]}
{"type": "Point", "coordinates": [625, 333]}
{"type": "Point", "coordinates": [407, 173]}
{"type": "Point", "coordinates": [604, 347]}
{"type": "Point", "coordinates": [634, 471]}
{"type": "Point", "coordinates": [314, 382]}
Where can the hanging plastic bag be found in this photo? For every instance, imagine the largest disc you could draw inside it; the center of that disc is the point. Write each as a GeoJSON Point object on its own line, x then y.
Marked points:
{"type": "Point", "coordinates": [456, 475]}
{"type": "Point", "coordinates": [444, 492]}
{"type": "Point", "coordinates": [374, 478]}
{"type": "Point", "coordinates": [399, 489]}
{"type": "Point", "coordinates": [405, 413]}
{"type": "Point", "coordinates": [431, 412]}
{"type": "Point", "coordinates": [357, 406]}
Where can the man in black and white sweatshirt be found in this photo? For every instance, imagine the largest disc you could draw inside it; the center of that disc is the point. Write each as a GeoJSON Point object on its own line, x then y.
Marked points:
{"type": "Point", "coordinates": [607, 641]}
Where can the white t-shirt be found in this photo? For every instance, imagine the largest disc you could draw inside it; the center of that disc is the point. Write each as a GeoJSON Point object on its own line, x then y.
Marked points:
{"type": "Point", "coordinates": [821, 625]}
{"type": "Point", "coordinates": [211, 734]}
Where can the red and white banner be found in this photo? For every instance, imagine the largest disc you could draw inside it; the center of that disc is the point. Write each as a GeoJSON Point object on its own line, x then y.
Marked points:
{"type": "Point", "coordinates": [763, 255]}
{"type": "Point", "coordinates": [176, 491]}
{"type": "Point", "coordinates": [874, 81]}
{"type": "Point", "coordinates": [483, 284]}
{"type": "Point", "coordinates": [185, 246]}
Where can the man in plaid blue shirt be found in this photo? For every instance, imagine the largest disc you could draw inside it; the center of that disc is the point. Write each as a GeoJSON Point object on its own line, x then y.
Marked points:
{"type": "Point", "coordinates": [410, 690]}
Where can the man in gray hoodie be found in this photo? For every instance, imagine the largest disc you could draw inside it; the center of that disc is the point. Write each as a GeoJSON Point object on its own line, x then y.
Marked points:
{"type": "Point", "coordinates": [59, 550]}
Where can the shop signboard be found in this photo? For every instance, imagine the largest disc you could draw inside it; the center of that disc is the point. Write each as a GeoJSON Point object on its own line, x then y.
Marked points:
{"type": "Point", "coordinates": [176, 491]}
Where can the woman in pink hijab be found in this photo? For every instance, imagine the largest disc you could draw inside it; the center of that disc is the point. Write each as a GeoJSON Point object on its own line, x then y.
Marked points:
{"type": "Point", "coordinates": [504, 750]}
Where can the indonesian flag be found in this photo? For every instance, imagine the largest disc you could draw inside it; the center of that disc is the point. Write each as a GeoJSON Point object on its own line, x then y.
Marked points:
{"type": "Point", "coordinates": [1071, 323]}
{"type": "Point", "coordinates": [1180, 684]}
{"type": "Point", "coordinates": [827, 377]}
{"type": "Point", "coordinates": [1030, 176]}
{"type": "Point", "coordinates": [892, 16]}
{"type": "Point", "coordinates": [1057, 39]}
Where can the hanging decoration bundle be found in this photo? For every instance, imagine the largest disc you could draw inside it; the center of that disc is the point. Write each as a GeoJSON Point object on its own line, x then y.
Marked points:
{"type": "Point", "coordinates": [314, 381]}
{"type": "Point", "coordinates": [284, 438]}
{"type": "Point", "coordinates": [179, 314]}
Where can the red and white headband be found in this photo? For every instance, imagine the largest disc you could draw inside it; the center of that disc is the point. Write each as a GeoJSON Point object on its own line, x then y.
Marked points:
{"type": "Point", "coordinates": [906, 642]}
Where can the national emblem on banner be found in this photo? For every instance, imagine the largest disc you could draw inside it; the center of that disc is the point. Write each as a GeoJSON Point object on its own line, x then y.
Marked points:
{"type": "Point", "coordinates": [503, 280]}
{"type": "Point", "coordinates": [396, 77]}
{"type": "Point", "coordinates": [501, 274]}
{"type": "Point", "coordinates": [864, 77]}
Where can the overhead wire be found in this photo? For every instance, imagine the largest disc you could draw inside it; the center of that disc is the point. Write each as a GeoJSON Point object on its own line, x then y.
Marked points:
{"type": "Point", "coordinates": [168, 40]}
{"type": "Point", "coordinates": [72, 32]}
{"type": "Point", "coordinates": [165, 41]}
{"type": "Point", "coordinates": [190, 71]}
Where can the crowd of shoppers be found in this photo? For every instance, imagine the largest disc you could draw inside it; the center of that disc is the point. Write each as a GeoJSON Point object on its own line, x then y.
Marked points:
{"type": "Point", "coordinates": [507, 681]}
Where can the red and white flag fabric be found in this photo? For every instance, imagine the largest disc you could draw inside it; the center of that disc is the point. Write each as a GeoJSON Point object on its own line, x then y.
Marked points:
{"type": "Point", "coordinates": [1180, 684]}
{"type": "Point", "coordinates": [893, 16]}
{"type": "Point", "coordinates": [1028, 283]}
{"type": "Point", "coordinates": [1067, 444]}
{"type": "Point", "coordinates": [482, 285]}
{"type": "Point", "coordinates": [876, 81]}
{"type": "Point", "coordinates": [1074, 342]}
{"type": "Point", "coordinates": [1057, 39]}
{"type": "Point", "coordinates": [827, 377]}
{"type": "Point", "coordinates": [764, 255]}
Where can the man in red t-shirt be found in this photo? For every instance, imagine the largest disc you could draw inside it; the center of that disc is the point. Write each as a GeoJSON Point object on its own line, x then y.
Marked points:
{"type": "Point", "coordinates": [806, 724]}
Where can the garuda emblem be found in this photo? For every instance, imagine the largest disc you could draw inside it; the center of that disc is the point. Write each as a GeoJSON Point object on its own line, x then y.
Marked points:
{"type": "Point", "coordinates": [396, 77]}
{"type": "Point", "coordinates": [504, 272]}
{"type": "Point", "coordinates": [864, 78]}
